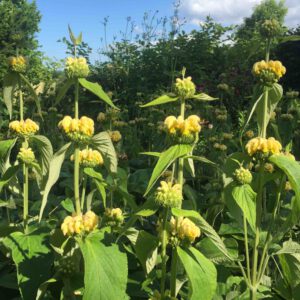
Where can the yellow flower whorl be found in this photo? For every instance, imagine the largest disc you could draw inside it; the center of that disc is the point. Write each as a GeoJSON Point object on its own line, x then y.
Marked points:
{"type": "Point", "coordinates": [115, 136]}
{"type": "Point", "coordinates": [184, 229]}
{"type": "Point", "coordinates": [113, 216]}
{"type": "Point", "coordinates": [80, 223]}
{"type": "Point", "coordinates": [26, 155]}
{"type": "Point", "coordinates": [89, 158]}
{"type": "Point", "coordinates": [265, 146]}
{"type": "Point", "coordinates": [27, 127]}
{"type": "Point", "coordinates": [268, 72]}
{"type": "Point", "coordinates": [185, 88]}
{"type": "Point", "coordinates": [76, 67]}
{"type": "Point", "coordinates": [183, 131]}
{"type": "Point", "coordinates": [17, 64]}
{"type": "Point", "coordinates": [77, 129]}
{"type": "Point", "coordinates": [169, 195]}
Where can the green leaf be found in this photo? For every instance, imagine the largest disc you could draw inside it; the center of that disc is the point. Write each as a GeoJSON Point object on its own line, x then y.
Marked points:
{"type": "Point", "coordinates": [76, 41]}
{"type": "Point", "coordinates": [10, 83]}
{"type": "Point", "coordinates": [93, 174]}
{"type": "Point", "coordinates": [54, 171]}
{"type": "Point", "coordinates": [33, 93]}
{"type": "Point", "coordinates": [97, 90]}
{"type": "Point", "coordinates": [290, 264]}
{"type": "Point", "coordinates": [160, 100]}
{"type": "Point", "coordinates": [245, 198]}
{"type": "Point", "coordinates": [146, 250]}
{"type": "Point", "coordinates": [33, 257]}
{"type": "Point", "coordinates": [68, 205]}
{"type": "Point", "coordinates": [8, 175]}
{"type": "Point", "coordinates": [156, 154]}
{"type": "Point", "coordinates": [63, 90]}
{"type": "Point", "coordinates": [165, 160]}
{"type": "Point", "coordinates": [45, 149]}
{"type": "Point", "coordinates": [290, 38]}
{"type": "Point", "coordinates": [205, 228]}
{"type": "Point", "coordinates": [201, 272]}
{"type": "Point", "coordinates": [201, 159]}
{"type": "Point", "coordinates": [274, 96]}
{"type": "Point", "coordinates": [102, 142]}
{"type": "Point", "coordinates": [204, 97]}
{"type": "Point", "coordinates": [101, 189]}
{"type": "Point", "coordinates": [5, 149]}
{"type": "Point", "coordinates": [105, 275]}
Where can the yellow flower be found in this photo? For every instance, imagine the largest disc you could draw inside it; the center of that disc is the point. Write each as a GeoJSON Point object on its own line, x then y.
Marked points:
{"type": "Point", "coordinates": [184, 229]}
{"type": "Point", "coordinates": [267, 146]}
{"type": "Point", "coordinates": [113, 216]}
{"type": "Point", "coordinates": [27, 127]}
{"type": "Point", "coordinates": [115, 135]}
{"type": "Point", "coordinates": [76, 67]}
{"type": "Point", "coordinates": [89, 158]}
{"type": "Point", "coordinates": [90, 221]}
{"type": "Point", "coordinates": [169, 195]}
{"type": "Point", "coordinates": [77, 129]}
{"type": "Point", "coordinates": [77, 224]}
{"type": "Point", "coordinates": [270, 71]}
{"type": "Point", "coordinates": [17, 64]}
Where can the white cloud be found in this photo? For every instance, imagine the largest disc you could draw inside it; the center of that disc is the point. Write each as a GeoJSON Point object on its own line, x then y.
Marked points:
{"type": "Point", "coordinates": [231, 11]}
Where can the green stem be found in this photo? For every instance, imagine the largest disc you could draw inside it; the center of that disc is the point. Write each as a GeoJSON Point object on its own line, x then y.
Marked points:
{"type": "Point", "coordinates": [257, 231]}
{"type": "Point", "coordinates": [21, 101]}
{"type": "Point", "coordinates": [247, 247]}
{"type": "Point", "coordinates": [25, 196]}
{"type": "Point", "coordinates": [84, 182]}
{"type": "Point", "coordinates": [76, 157]}
{"type": "Point", "coordinates": [264, 257]}
{"type": "Point", "coordinates": [173, 272]}
{"type": "Point", "coordinates": [180, 160]}
{"type": "Point", "coordinates": [163, 253]}
{"type": "Point", "coordinates": [265, 114]}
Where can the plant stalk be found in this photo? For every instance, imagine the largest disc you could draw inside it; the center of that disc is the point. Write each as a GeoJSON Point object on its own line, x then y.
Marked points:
{"type": "Point", "coordinates": [173, 272]}
{"type": "Point", "coordinates": [163, 253]}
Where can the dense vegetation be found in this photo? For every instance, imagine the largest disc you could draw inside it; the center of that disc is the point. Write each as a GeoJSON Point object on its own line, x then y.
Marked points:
{"type": "Point", "coordinates": [169, 169]}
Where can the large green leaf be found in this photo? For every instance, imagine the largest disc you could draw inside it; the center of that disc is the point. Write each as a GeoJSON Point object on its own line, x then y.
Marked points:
{"type": "Point", "coordinates": [54, 171]}
{"type": "Point", "coordinates": [102, 142]}
{"type": "Point", "coordinates": [97, 90]}
{"type": "Point", "coordinates": [76, 41]}
{"type": "Point", "coordinates": [33, 93]}
{"type": "Point", "coordinates": [105, 275]}
{"type": "Point", "coordinates": [245, 198]}
{"type": "Point", "coordinates": [45, 149]}
{"type": "Point", "coordinates": [201, 272]}
{"type": "Point", "coordinates": [203, 97]}
{"type": "Point", "coordinates": [290, 263]}
{"type": "Point", "coordinates": [63, 90]}
{"type": "Point", "coordinates": [8, 175]}
{"type": "Point", "coordinates": [205, 228]}
{"type": "Point", "coordinates": [9, 86]}
{"type": "Point", "coordinates": [5, 149]}
{"type": "Point", "coordinates": [33, 257]}
{"type": "Point", "coordinates": [160, 100]}
{"type": "Point", "coordinates": [274, 95]}
{"type": "Point", "coordinates": [145, 248]}
{"type": "Point", "coordinates": [166, 158]}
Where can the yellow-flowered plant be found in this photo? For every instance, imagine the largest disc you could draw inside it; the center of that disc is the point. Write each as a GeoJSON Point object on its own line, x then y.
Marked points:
{"type": "Point", "coordinates": [27, 127]}
{"type": "Point", "coordinates": [113, 216]}
{"type": "Point", "coordinates": [184, 229]}
{"type": "Point", "coordinates": [101, 117]}
{"type": "Point", "coordinates": [78, 224]}
{"type": "Point", "coordinates": [77, 129]}
{"type": "Point", "coordinates": [268, 71]}
{"type": "Point", "coordinates": [169, 195]}
{"type": "Point", "coordinates": [183, 130]}
{"type": "Point", "coordinates": [76, 67]}
{"type": "Point", "coordinates": [270, 28]}
{"type": "Point", "coordinates": [243, 176]}
{"type": "Point", "coordinates": [263, 145]}
{"type": "Point", "coordinates": [17, 64]}
{"type": "Point", "coordinates": [115, 135]}
{"type": "Point", "coordinates": [185, 88]}
{"type": "Point", "coordinates": [26, 155]}
{"type": "Point", "coordinates": [89, 158]}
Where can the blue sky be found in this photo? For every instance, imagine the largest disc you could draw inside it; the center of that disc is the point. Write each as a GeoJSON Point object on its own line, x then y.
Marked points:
{"type": "Point", "coordinates": [87, 15]}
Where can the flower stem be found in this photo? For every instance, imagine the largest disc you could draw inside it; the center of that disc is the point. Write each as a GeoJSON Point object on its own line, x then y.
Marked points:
{"type": "Point", "coordinates": [246, 247]}
{"type": "Point", "coordinates": [84, 182]}
{"type": "Point", "coordinates": [25, 196]}
{"type": "Point", "coordinates": [163, 253]}
{"type": "Point", "coordinates": [76, 157]}
{"type": "Point", "coordinates": [21, 101]}
{"type": "Point", "coordinates": [173, 272]}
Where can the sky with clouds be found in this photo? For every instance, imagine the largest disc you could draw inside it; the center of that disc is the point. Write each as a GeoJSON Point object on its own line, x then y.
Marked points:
{"type": "Point", "coordinates": [87, 16]}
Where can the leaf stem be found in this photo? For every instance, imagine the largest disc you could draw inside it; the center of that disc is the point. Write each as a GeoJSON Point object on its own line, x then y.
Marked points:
{"type": "Point", "coordinates": [247, 247]}
{"type": "Point", "coordinates": [163, 253]}
{"type": "Point", "coordinates": [84, 182]}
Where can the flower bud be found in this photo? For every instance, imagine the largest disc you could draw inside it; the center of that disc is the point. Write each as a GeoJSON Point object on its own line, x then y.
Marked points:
{"type": "Point", "coordinates": [113, 216]}
{"type": "Point", "coordinates": [270, 28]}
{"type": "Point", "coordinates": [169, 195]}
{"type": "Point", "coordinates": [26, 156]}
{"type": "Point", "coordinates": [243, 176]}
{"type": "Point", "coordinates": [185, 88]}
{"type": "Point", "coordinates": [115, 136]}
{"type": "Point", "coordinates": [76, 67]}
